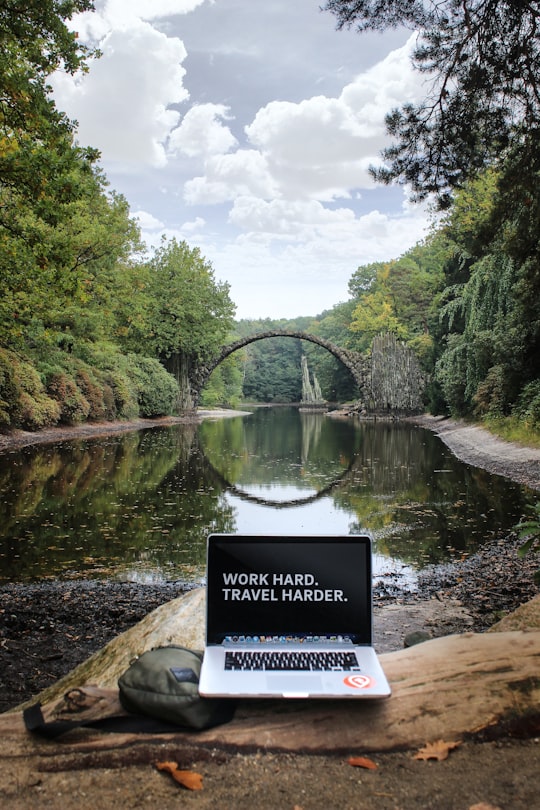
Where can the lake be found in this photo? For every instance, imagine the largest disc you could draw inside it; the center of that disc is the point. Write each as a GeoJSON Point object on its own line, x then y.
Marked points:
{"type": "Point", "coordinates": [139, 506]}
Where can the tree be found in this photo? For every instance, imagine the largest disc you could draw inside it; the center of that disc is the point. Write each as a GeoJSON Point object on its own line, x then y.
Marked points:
{"type": "Point", "coordinates": [35, 41]}
{"type": "Point", "coordinates": [483, 61]}
{"type": "Point", "coordinates": [55, 217]}
{"type": "Point", "coordinates": [175, 305]}
{"type": "Point", "coordinates": [490, 337]}
{"type": "Point", "coordinates": [173, 309]}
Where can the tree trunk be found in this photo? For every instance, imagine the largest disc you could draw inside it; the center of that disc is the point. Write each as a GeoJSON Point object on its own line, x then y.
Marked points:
{"type": "Point", "coordinates": [178, 365]}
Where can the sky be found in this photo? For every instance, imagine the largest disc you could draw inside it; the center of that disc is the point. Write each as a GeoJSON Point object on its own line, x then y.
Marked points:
{"type": "Point", "coordinates": [247, 129]}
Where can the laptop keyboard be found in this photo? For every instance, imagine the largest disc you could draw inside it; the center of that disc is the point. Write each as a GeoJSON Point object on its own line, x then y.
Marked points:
{"type": "Point", "coordinates": [280, 660]}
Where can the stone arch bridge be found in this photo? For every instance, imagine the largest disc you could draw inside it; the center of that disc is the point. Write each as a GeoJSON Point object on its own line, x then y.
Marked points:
{"type": "Point", "coordinates": [389, 379]}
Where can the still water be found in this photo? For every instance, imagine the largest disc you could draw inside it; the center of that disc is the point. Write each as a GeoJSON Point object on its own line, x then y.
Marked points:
{"type": "Point", "coordinates": [139, 506]}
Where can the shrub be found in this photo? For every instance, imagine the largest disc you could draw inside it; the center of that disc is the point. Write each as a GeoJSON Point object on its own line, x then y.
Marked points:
{"type": "Point", "coordinates": [92, 391]}
{"type": "Point", "coordinates": [124, 395]}
{"type": "Point", "coordinates": [74, 407]}
{"type": "Point", "coordinates": [157, 390]}
{"type": "Point", "coordinates": [528, 405]}
{"type": "Point", "coordinates": [23, 400]}
{"type": "Point", "coordinates": [37, 411]}
{"type": "Point", "coordinates": [490, 396]}
{"type": "Point", "coordinates": [8, 389]}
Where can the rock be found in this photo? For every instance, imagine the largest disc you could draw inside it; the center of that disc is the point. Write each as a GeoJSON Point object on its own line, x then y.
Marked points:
{"type": "Point", "coordinates": [525, 617]}
{"type": "Point", "coordinates": [416, 637]}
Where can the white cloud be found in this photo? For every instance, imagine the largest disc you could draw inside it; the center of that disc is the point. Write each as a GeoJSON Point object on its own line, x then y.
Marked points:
{"type": "Point", "coordinates": [192, 227]}
{"type": "Point", "coordinates": [123, 103]}
{"type": "Point", "coordinates": [297, 220]}
{"type": "Point", "coordinates": [319, 148]}
{"type": "Point", "coordinates": [244, 172]}
{"type": "Point", "coordinates": [261, 176]}
{"type": "Point", "coordinates": [123, 14]}
{"type": "Point", "coordinates": [201, 132]}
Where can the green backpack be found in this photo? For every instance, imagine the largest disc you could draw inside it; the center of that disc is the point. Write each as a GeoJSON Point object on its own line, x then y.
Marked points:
{"type": "Point", "coordinates": [160, 690]}
{"type": "Point", "coordinates": [164, 683]}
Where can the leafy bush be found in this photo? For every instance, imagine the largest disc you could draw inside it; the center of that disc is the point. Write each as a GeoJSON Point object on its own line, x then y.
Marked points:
{"type": "Point", "coordinates": [157, 390]}
{"type": "Point", "coordinates": [92, 389]}
{"type": "Point", "coordinates": [37, 411]}
{"type": "Point", "coordinates": [528, 405]}
{"type": "Point", "coordinates": [124, 394]}
{"type": "Point", "coordinates": [74, 407]}
{"type": "Point", "coordinates": [8, 389]}
{"type": "Point", "coordinates": [491, 395]}
{"type": "Point", "coordinates": [24, 403]}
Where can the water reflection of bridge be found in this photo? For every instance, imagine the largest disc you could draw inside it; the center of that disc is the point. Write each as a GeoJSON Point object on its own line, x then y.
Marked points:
{"type": "Point", "coordinates": [340, 482]}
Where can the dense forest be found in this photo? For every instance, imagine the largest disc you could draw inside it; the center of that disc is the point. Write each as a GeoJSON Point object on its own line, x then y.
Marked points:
{"type": "Point", "coordinates": [89, 319]}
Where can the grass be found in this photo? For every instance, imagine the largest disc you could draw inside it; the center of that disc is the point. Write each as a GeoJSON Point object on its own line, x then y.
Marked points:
{"type": "Point", "coordinates": [515, 430]}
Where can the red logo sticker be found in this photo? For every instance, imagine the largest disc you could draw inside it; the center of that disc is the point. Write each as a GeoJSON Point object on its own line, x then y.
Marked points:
{"type": "Point", "coordinates": [358, 681]}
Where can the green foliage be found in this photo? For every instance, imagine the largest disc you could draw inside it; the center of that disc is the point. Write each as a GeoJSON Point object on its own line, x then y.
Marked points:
{"type": "Point", "coordinates": [74, 407]}
{"type": "Point", "coordinates": [24, 402]}
{"type": "Point", "coordinates": [172, 304]}
{"type": "Point", "coordinates": [400, 297]}
{"type": "Point", "coordinates": [488, 339]}
{"type": "Point", "coordinates": [224, 388]}
{"type": "Point", "coordinates": [336, 381]}
{"type": "Point", "coordinates": [157, 391]}
{"type": "Point", "coordinates": [527, 408]}
{"type": "Point", "coordinates": [271, 368]}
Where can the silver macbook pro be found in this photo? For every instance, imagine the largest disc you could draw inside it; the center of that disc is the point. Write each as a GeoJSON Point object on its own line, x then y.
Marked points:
{"type": "Point", "coordinates": [290, 616]}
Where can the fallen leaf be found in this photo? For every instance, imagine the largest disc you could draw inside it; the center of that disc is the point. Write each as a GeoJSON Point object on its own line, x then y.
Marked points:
{"type": "Point", "coordinates": [437, 750]}
{"type": "Point", "coordinates": [362, 762]}
{"type": "Point", "coordinates": [168, 767]}
{"type": "Point", "coordinates": [188, 779]}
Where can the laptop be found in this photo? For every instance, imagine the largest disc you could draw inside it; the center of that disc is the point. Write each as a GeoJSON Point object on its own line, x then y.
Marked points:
{"type": "Point", "coordinates": [291, 617]}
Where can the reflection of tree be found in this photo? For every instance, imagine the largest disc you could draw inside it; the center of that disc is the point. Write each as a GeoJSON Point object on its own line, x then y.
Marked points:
{"type": "Point", "coordinates": [99, 505]}
{"type": "Point", "coordinates": [420, 502]}
{"type": "Point", "coordinates": [95, 507]}
{"type": "Point", "coordinates": [258, 499]}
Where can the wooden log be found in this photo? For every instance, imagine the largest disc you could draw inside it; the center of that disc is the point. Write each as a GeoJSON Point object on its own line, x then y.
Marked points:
{"type": "Point", "coordinates": [449, 688]}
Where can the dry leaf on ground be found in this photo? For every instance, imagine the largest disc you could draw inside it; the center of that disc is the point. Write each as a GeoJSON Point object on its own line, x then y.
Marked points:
{"type": "Point", "coordinates": [362, 762]}
{"type": "Point", "coordinates": [188, 779]}
{"type": "Point", "coordinates": [437, 750]}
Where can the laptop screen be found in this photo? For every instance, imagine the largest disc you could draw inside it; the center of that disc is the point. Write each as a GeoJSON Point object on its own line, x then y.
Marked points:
{"type": "Point", "coordinates": [289, 589]}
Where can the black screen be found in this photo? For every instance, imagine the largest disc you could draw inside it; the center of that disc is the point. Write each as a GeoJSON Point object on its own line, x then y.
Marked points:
{"type": "Point", "coordinates": [307, 587]}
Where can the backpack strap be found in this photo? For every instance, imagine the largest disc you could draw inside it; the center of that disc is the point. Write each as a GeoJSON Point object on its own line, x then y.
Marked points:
{"type": "Point", "coordinates": [128, 723]}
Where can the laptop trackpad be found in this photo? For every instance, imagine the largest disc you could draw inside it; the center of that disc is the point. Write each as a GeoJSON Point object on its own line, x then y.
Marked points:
{"type": "Point", "coordinates": [292, 683]}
